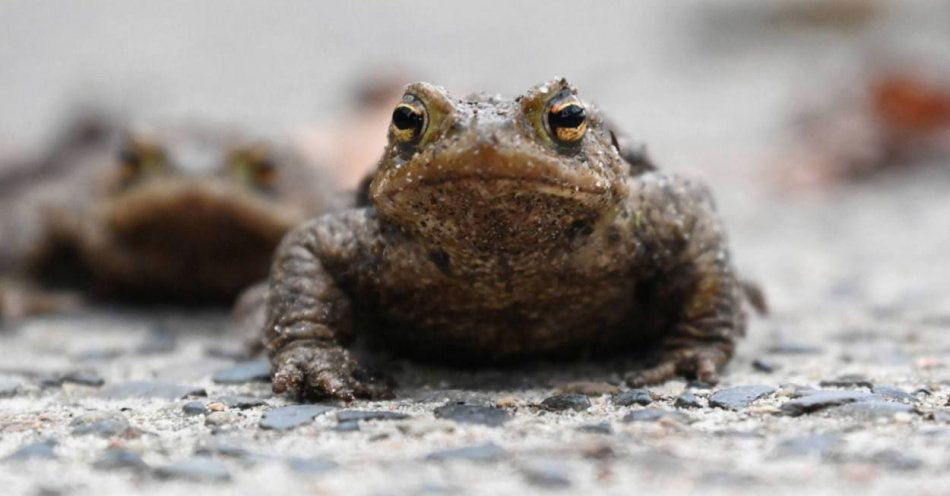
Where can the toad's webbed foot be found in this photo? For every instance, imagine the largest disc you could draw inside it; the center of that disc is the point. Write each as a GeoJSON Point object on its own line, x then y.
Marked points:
{"type": "Point", "coordinates": [700, 362]}
{"type": "Point", "coordinates": [310, 371]}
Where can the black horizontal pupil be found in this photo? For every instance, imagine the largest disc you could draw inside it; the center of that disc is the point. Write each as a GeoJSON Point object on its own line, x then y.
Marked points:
{"type": "Point", "coordinates": [405, 118]}
{"type": "Point", "coordinates": [569, 116]}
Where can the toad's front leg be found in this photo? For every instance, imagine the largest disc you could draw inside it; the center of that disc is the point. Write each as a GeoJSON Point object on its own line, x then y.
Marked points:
{"type": "Point", "coordinates": [695, 284]}
{"type": "Point", "coordinates": [309, 317]}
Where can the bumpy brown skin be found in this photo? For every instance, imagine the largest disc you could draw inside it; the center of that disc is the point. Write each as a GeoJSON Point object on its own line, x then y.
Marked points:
{"type": "Point", "coordinates": [489, 242]}
{"type": "Point", "coordinates": [194, 219]}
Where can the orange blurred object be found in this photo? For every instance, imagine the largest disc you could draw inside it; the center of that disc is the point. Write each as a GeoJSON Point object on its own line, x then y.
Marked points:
{"type": "Point", "coordinates": [911, 105]}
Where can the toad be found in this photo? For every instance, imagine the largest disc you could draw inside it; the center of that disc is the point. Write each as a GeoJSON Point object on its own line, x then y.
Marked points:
{"type": "Point", "coordinates": [495, 231]}
{"type": "Point", "coordinates": [175, 214]}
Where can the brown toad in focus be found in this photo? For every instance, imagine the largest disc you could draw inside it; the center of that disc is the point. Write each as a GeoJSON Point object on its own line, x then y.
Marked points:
{"type": "Point", "coordinates": [498, 230]}
{"type": "Point", "coordinates": [183, 214]}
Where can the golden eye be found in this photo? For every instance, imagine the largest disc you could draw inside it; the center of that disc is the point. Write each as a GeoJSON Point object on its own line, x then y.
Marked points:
{"type": "Point", "coordinates": [137, 161]}
{"type": "Point", "coordinates": [130, 164]}
{"type": "Point", "coordinates": [254, 167]}
{"type": "Point", "coordinates": [567, 119]}
{"type": "Point", "coordinates": [264, 174]}
{"type": "Point", "coordinates": [409, 120]}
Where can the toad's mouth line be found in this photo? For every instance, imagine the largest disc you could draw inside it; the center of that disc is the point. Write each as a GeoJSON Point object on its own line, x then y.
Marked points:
{"type": "Point", "coordinates": [213, 204]}
{"type": "Point", "coordinates": [533, 183]}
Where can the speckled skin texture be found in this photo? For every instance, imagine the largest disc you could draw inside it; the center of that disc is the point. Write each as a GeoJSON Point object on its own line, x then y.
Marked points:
{"type": "Point", "coordinates": [487, 241]}
{"type": "Point", "coordinates": [187, 224]}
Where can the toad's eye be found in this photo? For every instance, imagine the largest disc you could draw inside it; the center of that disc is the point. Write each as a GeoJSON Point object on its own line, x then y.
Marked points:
{"type": "Point", "coordinates": [254, 167]}
{"type": "Point", "coordinates": [130, 163]}
{"type": "Point", "coordinates": [409, 120]}
{"type": "Point", "coordinates": [567, 120]}
{"type": "Point", "coordinates": [138, 161]}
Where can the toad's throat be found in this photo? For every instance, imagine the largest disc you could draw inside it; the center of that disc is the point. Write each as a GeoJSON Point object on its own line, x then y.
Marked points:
{"type": "Point", "coordinates": [492, 215]}
{"type": "Point", "coordinates": [205, 238]}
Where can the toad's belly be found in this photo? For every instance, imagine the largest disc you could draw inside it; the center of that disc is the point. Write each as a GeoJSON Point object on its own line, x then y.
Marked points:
{"type": "Point", "coordinates": [455, 325]}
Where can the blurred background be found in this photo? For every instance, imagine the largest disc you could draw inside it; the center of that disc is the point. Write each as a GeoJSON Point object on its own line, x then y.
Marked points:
{"type": "Point", "coordinates": [703, 83]}
{"type": "Point", "coordinates": [739, 92]}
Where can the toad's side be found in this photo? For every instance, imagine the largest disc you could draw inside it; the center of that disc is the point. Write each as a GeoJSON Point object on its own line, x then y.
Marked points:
{"type": "Point", "coordinates": [501, 230]}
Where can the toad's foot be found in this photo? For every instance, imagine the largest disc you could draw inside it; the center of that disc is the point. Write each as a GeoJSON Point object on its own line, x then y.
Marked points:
{"type": "Point", "coordinates": [700, 362]}
{"type": "Point", "coordinates": [309, 372]}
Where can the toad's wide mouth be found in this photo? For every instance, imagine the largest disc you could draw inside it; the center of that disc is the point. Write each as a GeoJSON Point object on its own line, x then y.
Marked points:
{"type": "Point", "coordinates": [197, 204]}
{"type": "Point", "coordinates": [532, 183]}
{"type": "Point", "coordinates": [479, 163]}
{"type": "Point", "coordinates": [205, 238]}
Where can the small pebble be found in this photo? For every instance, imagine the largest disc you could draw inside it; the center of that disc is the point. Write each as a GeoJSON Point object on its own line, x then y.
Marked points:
{"type": "Point", "coordinates": [550, 475]}
{"type": "Point", "coordinates": [687, 400]}
{"type": "Point", "coordinates": [116, 459]}
{"type": "Point", "coordinates": [103, 424]}
{"type": "Point", "coordinates": [738, 397]}
{"type": "Point", "coordinates": [561, 402]}
{"type": "Point", "coordinates": [790, 390]}
{"type": "Point", "coordinates": [215, 447]}
{"type": "Point", "coordinates": [289, 417]}
{"type": "Point", "coordinates": [217, 406]}
{"type": "Point", "coordinates": [848, 381]}
{"type": "Point", "coordinates": [819, 444]}
{"type": "Point", "coordinates": [55, 381]}
{"type": "Point", "coordinates": [244, 372]}
{"type": "Point", "coordinates": [655, 414]}
{"type": "Point", "coordinates": [310, 466]}
{"type": "Point", "coordinates": [480, 453]}
{"type": "Point", "coordinates": [473, 414]}
{"type": "Point", "coordinates": [598, 428]}
{"type": "Point", "coordinates": [217, 419]}
{"type": "Point", "coordinates": [872, 409]}
{"type": "Point", "coordinates": [894, 459]}
{"type": "Point", "coordinates": [241, 402]}
{"type": "Point", "coordinates": [198, 469]}
{"type": "Point", "coordinates": [348, 426]}
{"type": "Point", "coordinates": [85, 378]}
{"type": "Point", "coordinates": [39, 450]}
{"type": "Point", "coordinates": [358, 415]}
{"type": "Point", "coordinates": [633, 397]}
{"type": "Point", "coordinates": [194, 408]}
{"type": "Point", "coordinates": [819, 400]}
{"type": "Point", "coordinates": [766, 366]}
{"type": "Point", "coordinates": [892, 393]}
{"type": "Point", "coordinates": [8, 388]}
